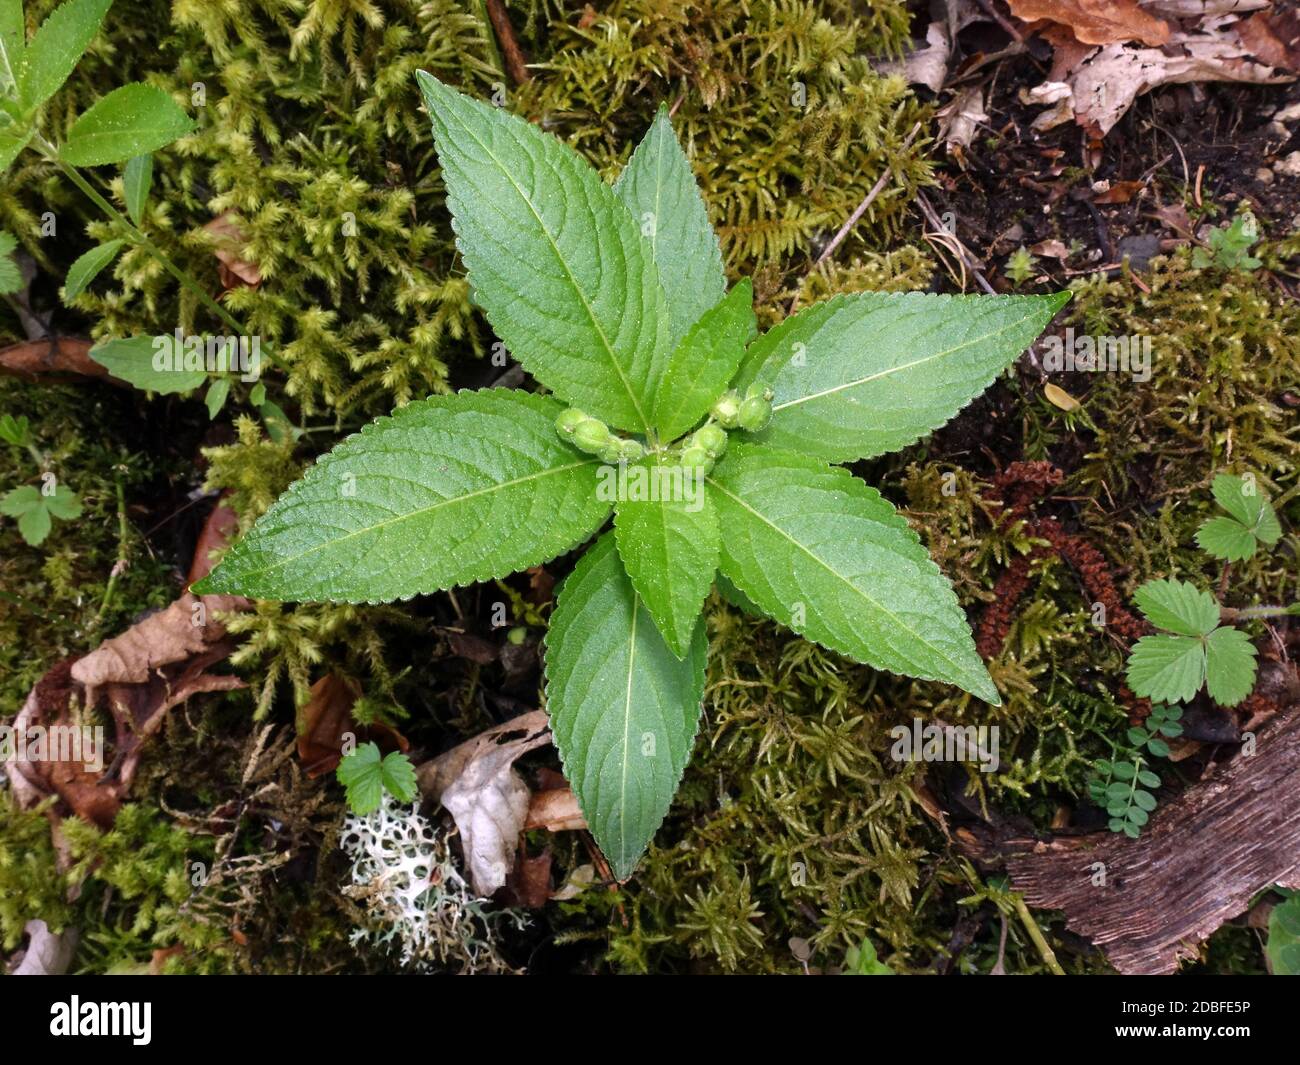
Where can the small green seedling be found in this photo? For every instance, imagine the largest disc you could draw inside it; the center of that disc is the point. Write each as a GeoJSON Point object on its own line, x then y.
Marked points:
{"type": "Point", "coordinates": [1021, 265]}
{"type": "Point", "coordinates": [1122, 785]}
{"type": "Point", "coordinates": [862, 961]}
{"type": "Point", "coordinates": [35, 508]}
{"type": "Point", "coordinates": [366, 775]}
{"type": "Point", "coordinates": [716, 453]}
{"type": "Point", "coordinates": [1229, 247]}
{"type": "Point", "coordinates": [1249, 522]}
{"type": "Point", "coordinates": [1192, 651]}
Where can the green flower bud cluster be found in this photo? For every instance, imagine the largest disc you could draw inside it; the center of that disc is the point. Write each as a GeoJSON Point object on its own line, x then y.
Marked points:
{"type": "Point", "coordinates": [751, 413]}
{"type": "Point", "coordinates": [705, 446]}
{"type": "Point", "coordinates": [593, 436]}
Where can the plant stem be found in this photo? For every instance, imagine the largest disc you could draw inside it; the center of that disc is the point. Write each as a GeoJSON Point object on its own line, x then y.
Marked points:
{"type": "Point", "coordinates": [1246, 613]}
{"type": "Point", "coordinates": [1036, 934]}
{"type": "Point", "coordinates": [123, 538]}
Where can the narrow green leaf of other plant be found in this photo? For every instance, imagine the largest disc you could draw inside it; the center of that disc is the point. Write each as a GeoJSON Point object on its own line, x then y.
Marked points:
{"type": "Point", "coordinates": [87, 267]}
{"type": "Point", "coordinates": [56, 46]}
{"type": "Point", "coordinates": [129, 121]}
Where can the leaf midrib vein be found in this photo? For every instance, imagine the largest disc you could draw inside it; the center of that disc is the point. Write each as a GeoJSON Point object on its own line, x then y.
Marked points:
{"type": "Point", "coordinates": [898, 369]}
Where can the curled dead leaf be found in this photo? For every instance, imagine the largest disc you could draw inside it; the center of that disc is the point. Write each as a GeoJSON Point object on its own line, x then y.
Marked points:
{"type": "Point", "coordinates": [1096, 21]}
{"type": "Point", "coordinates": [227, 247]}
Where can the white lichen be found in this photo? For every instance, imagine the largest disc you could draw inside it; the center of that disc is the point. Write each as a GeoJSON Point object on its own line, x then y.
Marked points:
{"type": "Point", "coordinates": [415, 898]}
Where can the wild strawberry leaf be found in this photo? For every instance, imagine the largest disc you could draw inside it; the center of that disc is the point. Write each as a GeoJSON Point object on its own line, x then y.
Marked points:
{"type": "Point", "coordinates": [658, 188]}
{"type": "Point", "coordinates": [1229, 665]}
{"type": "Point", "coordinates": [624, 709]}
{"type": "Point", "coordinates": [1226, 538]}
{"type": "Point", "coordinates": [669, 547]}
{"type": "Point", "coordinates": [869, 373]}
{"type": "Point", "coordinates": [704, 362]}
{"type": "Point", "coordinates": [825, 554]}
{"type": "Point", "coordinates": [13, 38]}
{"type": "Point", "coordinates": [447, 491]}
{"type": "Point", "coordinates": [1167, 668]}
{"type": "Point", "coordinates": [1178, 606]}
{"type": "Point", "coordinates": [555, 259]}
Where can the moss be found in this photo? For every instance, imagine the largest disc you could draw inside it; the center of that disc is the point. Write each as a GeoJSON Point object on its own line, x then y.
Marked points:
{"type": "Point", "coordinates": [31, 885]}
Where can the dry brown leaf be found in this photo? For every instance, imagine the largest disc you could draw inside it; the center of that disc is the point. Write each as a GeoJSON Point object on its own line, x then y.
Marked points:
{"type": "Point", "coordinates": [487, 798]}
{"type": "Point", "coordinates": [326, 718]}
{"type": "Point", "coordinates": [1273, 37]}
{"type": "Point", "coordinates": [1096, 21]}
{"type": "Point", "coordinates": [1051, 249]}
{"type": "Point", "coordinates": [555, 810]}
{"type": "Point", "coordinates": [1059, 397]}
{"type": "Point", "coordinates": [529, 882]}
{"type": "Point", "coordinates": [927, 65]}
{"type": "Point", "coordinates": [1119, 192]}
{"type": "Point", "coordinates": [220, 528]}
{"type": "Point", "coordinates": [960, 117]}
{"type": "Point", "coordinates": [137, 677]}
{"type": "Point", "coordinates": [227, 247]}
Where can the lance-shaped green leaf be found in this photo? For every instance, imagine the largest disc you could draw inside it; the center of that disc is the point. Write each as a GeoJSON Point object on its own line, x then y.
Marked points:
{"type": "Point", "coordinates": [13, 38]}
{"type": "Point", "coordinates": [704, 362]}
{"type": "Point", "coordinates": [623, 708]}
{"type": "Point", "coordinates": [128, 121]}
{"type": "Point", "coordinates": [87, 267]}
{"type": "Point", "coordinates": [447, 491]}
{"type": "Point", "coordinates": [137, 176]}
{"type": "Point", "coordinates": [56, 46]}
{"type": "Point", "coordinates": [659, 189]}
{"type": "Point", "coordinates": [151, 364]}
{"type": "Point", "coordinates": [555, 260]}
{"type": "Point", "coordinates": [825, 554]}
{"type": "Point", "coordinates": [871, 372]}
{"type": "Point", "coordinates": [667, 533]}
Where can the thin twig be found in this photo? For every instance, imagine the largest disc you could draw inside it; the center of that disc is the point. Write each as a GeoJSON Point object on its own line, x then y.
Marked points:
{"type": "Point", "coordinates": [962, 251]}
{"type": "Point", "coordinates": [876, 190]}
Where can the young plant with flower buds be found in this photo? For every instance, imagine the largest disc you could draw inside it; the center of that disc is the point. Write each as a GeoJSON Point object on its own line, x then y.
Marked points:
{"type": "Point", "coordinates": [614, 299]}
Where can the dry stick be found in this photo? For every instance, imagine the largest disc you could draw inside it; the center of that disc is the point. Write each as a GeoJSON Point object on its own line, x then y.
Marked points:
{"type": "Point", "coordinates": [967, 259]}
{"type": "Point", "coordinates": [876, 190]}
{"type": "Point", "coordinates": [516, 65]}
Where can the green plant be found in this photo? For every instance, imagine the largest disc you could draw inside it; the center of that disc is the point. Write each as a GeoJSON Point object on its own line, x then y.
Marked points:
{"type": "Point", "coordinates": [1284, 935]}
{"type": "Point", "coordinates": [1199, 646]}
{"type": "Point", "coordinates": [1021, 265]}
{"type": "Point", "coordinates": [125, 126]}
{"type": "Point", "coordinates": [1119, 784]}
{"type": "Point", "coordinates": [35, 508]}
{"type": "Point", "coordinates": [614, 298]}
{"type": "Point", "coordinates": [1193, 651]}
{"type": "Point", "coordinates": [367, 774]}
{"type": "Point", "coordinates": [862, 961]}
{"type": "Point", "coordinates": [1249, 522]}
{"type": "Point", "coordinates": [1229, 246]}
